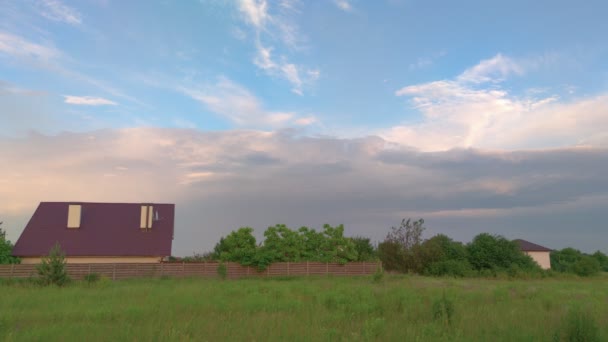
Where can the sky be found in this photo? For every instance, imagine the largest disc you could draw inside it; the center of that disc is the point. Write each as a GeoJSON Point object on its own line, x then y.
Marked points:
{"type": "Point", "coordinates": [478, 116]}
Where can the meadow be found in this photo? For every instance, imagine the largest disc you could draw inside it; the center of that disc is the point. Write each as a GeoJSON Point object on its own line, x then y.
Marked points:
{"type": "Point", "coordinates": [398, 307]}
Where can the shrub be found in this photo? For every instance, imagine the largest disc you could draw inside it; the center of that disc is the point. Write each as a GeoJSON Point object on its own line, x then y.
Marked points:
{"type": "Point", "coordinates": [378, 275]}
{"type": "Point", "coordinates": [222, 271]}
{"type": "Point", "coordinates": [580, 326]}
{"type": "Point", "coordinates": [586, 266]}
{"type": "Point", "coordinates": [52, 270]}
{"type": "Point", "coordinates": [92, 278]}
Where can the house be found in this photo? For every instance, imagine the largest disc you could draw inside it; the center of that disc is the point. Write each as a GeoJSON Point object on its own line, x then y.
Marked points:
{"type": "Point", "coordinates": [538, 253]}
{"type": "Point", "coordinates": [99, 232]}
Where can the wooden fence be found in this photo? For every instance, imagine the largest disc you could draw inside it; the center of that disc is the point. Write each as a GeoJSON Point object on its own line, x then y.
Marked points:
{"type": "Point", "coordinates": [203, 269]}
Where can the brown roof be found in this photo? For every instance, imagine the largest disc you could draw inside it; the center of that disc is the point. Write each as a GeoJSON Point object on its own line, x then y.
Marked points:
{"type": "Point", "coordinates": [106, 229]}
{"type": "Point", "coordinates": [528, 246]}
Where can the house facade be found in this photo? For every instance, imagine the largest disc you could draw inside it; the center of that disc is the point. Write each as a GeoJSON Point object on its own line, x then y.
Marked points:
{"type": "Point", "coordinates": [99, 232]}
{"type": "Point", "coordinates": [538, 253]}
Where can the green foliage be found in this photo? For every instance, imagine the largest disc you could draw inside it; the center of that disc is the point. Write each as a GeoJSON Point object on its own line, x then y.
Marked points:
{"type": "Point", "coordinates": [392, 256]}
{"type": "Point", "coordinates": [92, 278]}
{"type": "Point", "coordinates": [378, 275]}
{"type": "Point", "coordinates": [602, 259]}
{"type": "Point", "coordinates": [443, 310]}
{"type": "Point", "coordinates": [239, 246]}
{"type": "Point", "coordinates": [365, 249]}
{"type": "Point", "coordinates": [570, 260]}
{"type": "Point", "coordinates": [494, 252]}
{"type": "Point", "coordinates": [52, 270]}
{"type": "Point", "coordinates": [441, 256]}
{"type": "Point", "coordinates": [6, 249]}
{"type": "Point", "coordinates": [398, 251]}
{"type": "Point", "coordinates": [222, 271]}
{"type": "Point", "coordinates": [580, 326]}
{"type": "Point", "coordinates": [283, 244]}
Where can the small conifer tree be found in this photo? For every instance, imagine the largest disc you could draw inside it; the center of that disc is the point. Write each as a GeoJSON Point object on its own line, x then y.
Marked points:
{"type": "Point", "coordinates": [52, 270]}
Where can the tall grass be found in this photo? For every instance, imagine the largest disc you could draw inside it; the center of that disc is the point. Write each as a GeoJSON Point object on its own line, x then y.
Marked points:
{"type": "Point", "coordinates": [299, 309]}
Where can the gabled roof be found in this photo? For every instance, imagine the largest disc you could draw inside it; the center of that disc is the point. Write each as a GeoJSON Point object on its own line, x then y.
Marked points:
{"type": "Point", "coordinates": [528, 246]}
{"type": "Point", "coordinates": [106, 229]}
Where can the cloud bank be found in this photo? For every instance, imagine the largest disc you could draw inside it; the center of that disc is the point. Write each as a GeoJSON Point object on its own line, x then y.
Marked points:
{"type": "Point", "coordinates": [223, 180]}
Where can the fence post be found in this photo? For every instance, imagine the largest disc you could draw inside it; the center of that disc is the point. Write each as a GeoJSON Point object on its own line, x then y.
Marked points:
{"type": "Point", "coordinates": [326, 268]}
{"type": "Point", "coordinates": [114, 272]}
{"type": "Point", "coordinates": [12, 269]}
{"type": "Point", "coordinates": [307, 273]}
{"type": "Point", "coordinates": [183, 268]}
{"type": "Point", "coordinates": [288, 268]}
{"type": "Point", "coordinates": [204, 268]}
{"type": "Point", "coordinates": [89, 268]}
{"type": "Point", "coordinates": [161, 268]}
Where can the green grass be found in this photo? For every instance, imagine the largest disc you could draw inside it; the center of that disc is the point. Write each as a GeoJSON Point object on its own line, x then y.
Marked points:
{"type": "Point", "coordinates": [301, 309]}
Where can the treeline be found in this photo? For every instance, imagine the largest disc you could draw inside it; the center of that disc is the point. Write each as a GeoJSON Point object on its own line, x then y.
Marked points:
{"type": "Point", "coordinates": [403, 250]}
{"type": "Point", "coordinates": [283, 244]}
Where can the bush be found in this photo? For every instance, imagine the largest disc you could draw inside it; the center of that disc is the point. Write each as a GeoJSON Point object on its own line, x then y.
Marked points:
{"type": "Point", "coordinates": [52, 270]}
{"type": "Point", "coordinates": [378, 275]}
{"type": "Point", "coordinates": [586, 266]}
{"type": "Point", "coordinates": [570, 260]}
{"type": "Point", "coordinates": [92, 278]}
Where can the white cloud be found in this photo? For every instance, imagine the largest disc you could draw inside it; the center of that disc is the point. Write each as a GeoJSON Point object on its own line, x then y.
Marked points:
{"type": "Point", "coordinates": [495, 69]}
{"type": "Point", "coordinates": [57, 11]}
{"type": "Point", "coordinates": [16, 46]}
{"type": "Point", "coordinates": [239, 105]}
{"type": "Point", "coordinates": [461, 113]}
{"type": "Point", "coordinates": [277, 28]}
{"type": "Point", "coordinates": [255, 12]}
{"type": "Point", "coordinates": [88, 101]}
{"type": "Point", "coordinates": [344, 5]}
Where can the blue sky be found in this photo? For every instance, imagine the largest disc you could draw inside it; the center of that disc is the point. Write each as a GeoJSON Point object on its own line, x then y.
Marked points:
{"type": "Point", "coordinates": [509, 80]}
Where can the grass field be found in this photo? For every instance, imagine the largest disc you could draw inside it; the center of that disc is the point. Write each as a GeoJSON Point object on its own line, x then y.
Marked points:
{"type": "Point", "coordinates": [305, 309]}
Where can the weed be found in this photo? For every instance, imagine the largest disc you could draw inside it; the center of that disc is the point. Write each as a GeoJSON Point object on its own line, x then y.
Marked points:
{"type": "Point", "coordinates": [443, 310]}
{"type": "Point", "coordinates": [222, 270]}
{"type": "Point", "coordinates": [92, 278]}
{"type": "Point", "coordinates": [378, 275]}
{"type": "Point", "coordinates": [580, 326]}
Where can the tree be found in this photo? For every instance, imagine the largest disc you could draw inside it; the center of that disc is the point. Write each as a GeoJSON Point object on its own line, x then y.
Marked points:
{"type": "Point", "coordinates": [571, 260]}
{"type": "Point", "coordinates": [494, 252]}
{"type": "Point", "coordinates": [602, 259]}
{"type": "Point", "coordinates": [440, 255]}
{"type": "Point", "coordinates": [335, 247]}
{"type": "Point", "coordinates": [392, 256]}
{"type": "Point", "coordinates": [365, 249]}
{"type": "Point", "coordinates": [238, 246]}
{"type": "Point", "coordinates": [408, 234]}
{"type": "Point", "coordinates": [283, 244]}
{"type": "Point", "coordinates": [6, 249]}
{"type": "Point", "coordinates": [398, 249]}
{"type": "Point", "coordinates": [52, 270]}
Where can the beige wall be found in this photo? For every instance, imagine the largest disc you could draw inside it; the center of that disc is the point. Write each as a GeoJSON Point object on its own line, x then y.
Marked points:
{"type": "Point", "coordinates": [97, 260]}
{"type": "Point", "coordinates": [541, 258]}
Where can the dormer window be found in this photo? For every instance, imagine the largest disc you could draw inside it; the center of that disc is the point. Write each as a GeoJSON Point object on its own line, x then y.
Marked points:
{"type": "Point", "coordinates": [74, 215]}
{"type": "Point", "coordinates": [145, 221]}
